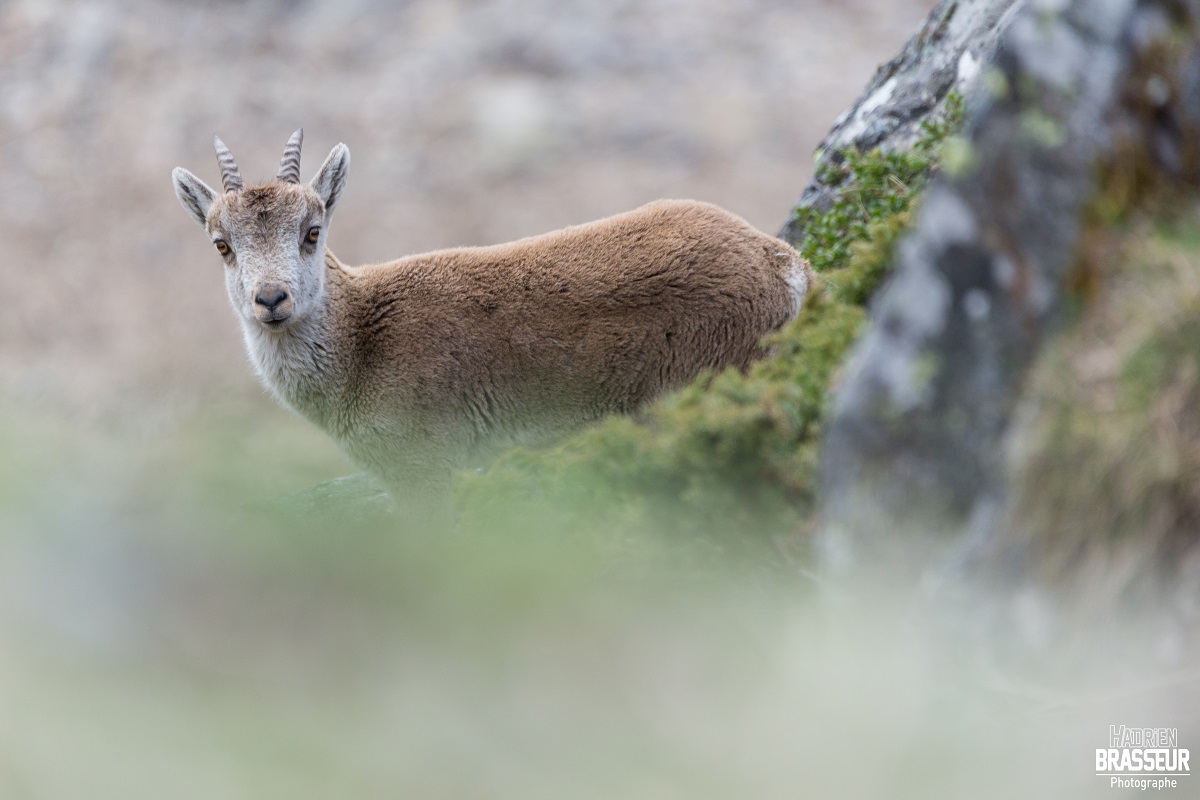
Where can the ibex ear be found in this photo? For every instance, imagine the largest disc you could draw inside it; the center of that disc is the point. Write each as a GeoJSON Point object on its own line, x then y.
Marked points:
{"type": "Point", "coordinates": [331, 178]}
{"type": "Point", "coordinates": [194, 195]}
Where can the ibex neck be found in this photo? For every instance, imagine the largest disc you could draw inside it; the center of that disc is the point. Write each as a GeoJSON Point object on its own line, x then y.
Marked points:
{"type": "Point", "coordinates": [299, 365]}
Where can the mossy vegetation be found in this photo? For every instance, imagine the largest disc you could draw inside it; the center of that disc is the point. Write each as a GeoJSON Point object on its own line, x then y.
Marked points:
{"type": "Point", "coordinates": [872, 187]}
{"type": "Point", "coordinates": [733, 453]}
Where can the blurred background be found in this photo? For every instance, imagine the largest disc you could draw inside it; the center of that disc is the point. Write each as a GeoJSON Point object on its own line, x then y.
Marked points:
{"type": "Point", "coordinates": [168, 630]}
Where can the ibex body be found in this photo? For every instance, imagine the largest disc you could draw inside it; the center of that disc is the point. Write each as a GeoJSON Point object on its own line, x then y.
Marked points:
{"type": "Point", "coordinates": [418, 365]}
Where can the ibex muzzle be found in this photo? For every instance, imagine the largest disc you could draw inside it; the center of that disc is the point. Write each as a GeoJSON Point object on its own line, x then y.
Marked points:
{"type": "Point", "coordinates": [272, 303]}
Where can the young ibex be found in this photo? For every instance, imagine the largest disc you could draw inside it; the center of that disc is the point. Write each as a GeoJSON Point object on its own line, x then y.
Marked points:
{"type": "Point", "coordinates": [418, 365]}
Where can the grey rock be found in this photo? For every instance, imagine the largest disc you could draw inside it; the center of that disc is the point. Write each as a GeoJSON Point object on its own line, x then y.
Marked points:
{"type": "Point", "coordinates": [914, 447]}
{"type": "Point", "coordinates": [944, 56]}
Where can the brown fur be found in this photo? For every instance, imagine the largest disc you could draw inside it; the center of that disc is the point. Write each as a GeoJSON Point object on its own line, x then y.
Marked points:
{"type": "Point", "coordinates": [484, 347]}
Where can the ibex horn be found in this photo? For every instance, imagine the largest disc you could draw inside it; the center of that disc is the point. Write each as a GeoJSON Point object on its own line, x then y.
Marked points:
{"type": "Point", "coordinates": [289, 165]}
{"type": "Point", "coordinates": [231, 178]}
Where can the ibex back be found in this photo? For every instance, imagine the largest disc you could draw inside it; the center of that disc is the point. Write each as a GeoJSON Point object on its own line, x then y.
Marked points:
{"type": "Point", "coordinates": [420, 365]}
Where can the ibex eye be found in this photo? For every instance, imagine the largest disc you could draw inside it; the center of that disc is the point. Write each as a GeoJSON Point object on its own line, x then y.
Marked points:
{"type": "Point", "coordinates": [314, 233]}
{"type": "Point", "coordinates": [222, 248]}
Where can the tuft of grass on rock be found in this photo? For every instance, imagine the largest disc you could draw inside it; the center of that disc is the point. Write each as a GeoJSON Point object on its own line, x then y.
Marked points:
{"type": "Point", "coordinates": [1107, 480]}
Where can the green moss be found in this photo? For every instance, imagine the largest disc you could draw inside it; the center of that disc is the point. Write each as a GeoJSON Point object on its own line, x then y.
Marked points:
{"type": "Point", "coordinates": [870, 260]}
{"type": "Point", "coordinates": [877, 185]}
{"type": "Point", "coordinates": [732, 453]}
{"type": "Point", "coordinates": [872, 187]}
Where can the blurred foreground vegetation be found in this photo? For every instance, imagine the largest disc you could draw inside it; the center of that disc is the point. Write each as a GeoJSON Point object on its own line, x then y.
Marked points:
{"type": "Point", "coordinates": [169, 629]}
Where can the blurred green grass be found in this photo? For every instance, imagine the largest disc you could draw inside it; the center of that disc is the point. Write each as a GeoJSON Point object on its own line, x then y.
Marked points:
{"type": "Point", "coordinates": [168, 629]}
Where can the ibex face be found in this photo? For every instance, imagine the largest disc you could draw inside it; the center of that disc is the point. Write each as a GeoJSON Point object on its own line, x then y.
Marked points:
{"type": "Point", "coordinates": [271, 236]}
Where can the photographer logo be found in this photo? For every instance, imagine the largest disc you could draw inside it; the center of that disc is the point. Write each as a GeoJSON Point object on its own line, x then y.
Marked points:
{"type": "Point", "coordinates": [1143, 758]}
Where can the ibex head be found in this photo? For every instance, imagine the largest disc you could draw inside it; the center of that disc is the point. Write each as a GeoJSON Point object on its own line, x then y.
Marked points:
{"type": "Point", "coordinates": [272, 235]}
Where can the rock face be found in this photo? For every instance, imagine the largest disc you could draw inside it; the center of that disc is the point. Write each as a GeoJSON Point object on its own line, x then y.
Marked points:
{"type": "Point", "coordinates": [1078, 89]}
{"type": "Point", "coordinates": [911, 90]}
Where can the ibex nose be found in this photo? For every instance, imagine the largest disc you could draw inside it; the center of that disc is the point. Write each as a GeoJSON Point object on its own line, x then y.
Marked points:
{"type": "Point", "coordinates": [270, 295]}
